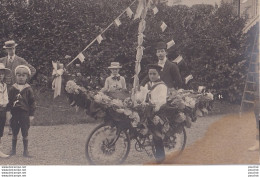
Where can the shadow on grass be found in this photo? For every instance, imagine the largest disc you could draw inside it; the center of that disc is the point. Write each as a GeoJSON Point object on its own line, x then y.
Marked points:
{"type": "Point", "coordinates": [57, 111]}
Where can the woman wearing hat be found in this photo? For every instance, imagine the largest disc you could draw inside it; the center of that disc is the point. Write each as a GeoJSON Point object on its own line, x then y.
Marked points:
{"type": "Point", "coordinates": [114, 82]}
{"type": "Point", "coordinates": [3, 101]}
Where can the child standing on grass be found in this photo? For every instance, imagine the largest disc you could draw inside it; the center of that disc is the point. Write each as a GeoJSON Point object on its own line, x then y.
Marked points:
{"type": "Point", "coordinates": [21, 107]}
{"type": "Point", "coordinates": [3, 101]}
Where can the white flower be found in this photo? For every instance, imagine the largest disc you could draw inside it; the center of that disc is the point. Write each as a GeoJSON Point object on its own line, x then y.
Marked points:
{"type": "Point", "coordinates": [121, 111]}
{"type": "Point", "coordinates": [72, 87]}
{"type": "Point", "coordinates": [117, 103]}
{"type": "Point", "coordinates": [98, 98]}
{"type": "Point", "coordinates": [190, 102]}
{"type": "Point", "coordinates": [209, 96]}
{"type": "Point", "coordinates": [135, 119]}
{"type": "Point", "coordinates": [127, 112]}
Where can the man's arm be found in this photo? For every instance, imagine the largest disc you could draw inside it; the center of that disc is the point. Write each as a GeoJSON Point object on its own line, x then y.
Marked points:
{"type": "Point", "coordinates": [176, 75]}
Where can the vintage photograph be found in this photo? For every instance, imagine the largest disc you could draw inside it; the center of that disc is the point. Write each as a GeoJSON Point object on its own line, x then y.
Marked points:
{"type": "Point", "coordinates": [129, 82]}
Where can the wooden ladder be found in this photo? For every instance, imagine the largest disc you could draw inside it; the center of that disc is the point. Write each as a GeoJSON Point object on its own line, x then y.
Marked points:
{"type": "Point", "coordinates": [248, 97]}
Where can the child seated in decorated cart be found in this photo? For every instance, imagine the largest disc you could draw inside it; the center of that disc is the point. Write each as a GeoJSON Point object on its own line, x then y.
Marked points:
{"type": "Point", "coordinates": [114, 84]}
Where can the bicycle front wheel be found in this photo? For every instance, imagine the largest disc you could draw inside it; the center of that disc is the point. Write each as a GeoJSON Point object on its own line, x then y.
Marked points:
{"type": "Point", "coordinates": [106, 146]}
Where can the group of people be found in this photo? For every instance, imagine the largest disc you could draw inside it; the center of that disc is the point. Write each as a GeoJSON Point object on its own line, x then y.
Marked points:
{"type": "Point", "coordinates": [17, 102]}
{"type": "Point", "coordinates": [161, 76]}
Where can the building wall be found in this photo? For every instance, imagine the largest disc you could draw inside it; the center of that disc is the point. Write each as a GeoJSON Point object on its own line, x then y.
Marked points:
{"type": "Point", "coordinates": [247, 7]}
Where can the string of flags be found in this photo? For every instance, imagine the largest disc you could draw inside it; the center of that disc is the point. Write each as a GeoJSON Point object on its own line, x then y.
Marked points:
{"type": "Point", "coordinates": [117, 23]}
{"type": "Point", "coordinates": [99, 38]}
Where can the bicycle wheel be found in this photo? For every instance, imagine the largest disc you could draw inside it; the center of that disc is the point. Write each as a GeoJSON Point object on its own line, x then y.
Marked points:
{"type": "Point", "coordinates": [100, 149]}
{"type": "Point", "coordinates": [175, 143]}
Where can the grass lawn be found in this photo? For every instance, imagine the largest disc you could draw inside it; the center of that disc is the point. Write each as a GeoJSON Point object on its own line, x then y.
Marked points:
{"type": "Point", "coordinates": [57, 111]}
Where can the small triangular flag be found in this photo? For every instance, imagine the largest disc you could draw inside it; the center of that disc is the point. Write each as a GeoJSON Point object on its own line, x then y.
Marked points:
{"type": "Point", "coordinates": [81, 57]}
{"type": "Point", "coordinates": [170, 44]}
{"type": "Point", "coordinates": [129, 12]}
{"type": "Point", "coordinates": [117, 22]}
{"type": "Point", "coordinates": [99, 38]}
{"type": "Point", "coordinates": [163, 26]}
{"type": "Point", "coordinates": [178, 59]}
{"type": "Point", "coordinates": [155, 10]}
{"type": "Point", "coordinates": [188, 78]}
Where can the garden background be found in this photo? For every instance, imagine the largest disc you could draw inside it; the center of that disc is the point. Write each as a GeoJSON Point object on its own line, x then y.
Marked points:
{"type": "Point", "coordinates": [210, 39]}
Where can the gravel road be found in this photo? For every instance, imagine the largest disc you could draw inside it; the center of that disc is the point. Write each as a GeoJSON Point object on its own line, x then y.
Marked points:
{"type": "Point", "coordinates": [64, 144]}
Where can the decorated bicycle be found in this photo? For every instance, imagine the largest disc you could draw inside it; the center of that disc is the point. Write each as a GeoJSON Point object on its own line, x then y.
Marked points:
{"type": "Point", "coordinates": [154, 120]}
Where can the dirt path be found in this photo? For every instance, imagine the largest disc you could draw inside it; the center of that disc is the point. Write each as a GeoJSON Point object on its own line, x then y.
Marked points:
{"type": "Point", "coordinates": [225, 142]}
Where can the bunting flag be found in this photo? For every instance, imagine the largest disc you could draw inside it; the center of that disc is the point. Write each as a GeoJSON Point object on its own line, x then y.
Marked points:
{"type": "Point", "coordinates": [170, 44]}
{"type": "Point", "coordinates": [117, 22]}
{"type": "Point", "coordinates": [178, 59]}
{"type": "Point", "coordinates": [141, 26]}
{"type": "Point", "coordinates": [163, 26]}
{"type": "Point", "coordinates": [99, 38]}
{"type": "Point", "coordinates": [155, 10]}
{"type": "Point", "coordinates": [140, 39]}
{"type": "Point", "coordinates": [129, 12]}
{"type": "Point", "coordinates": [139, 53]}
{"type": "Point", "coordinates": [81, 57]}
{"type": "Point", "coordinates": [188, 78]}
{"type": "Point", "coordinates": [139, 9]}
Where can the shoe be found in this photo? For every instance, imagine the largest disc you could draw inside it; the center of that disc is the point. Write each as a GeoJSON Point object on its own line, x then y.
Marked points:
{"type": "Point", "coordinates": [13, 151]}
{"type": "Point", "coordinates": [254, 148]}
{"type": "Point", "coordinates": [2, 155]}
{"type": "Point", "coordinates": [26, 154]}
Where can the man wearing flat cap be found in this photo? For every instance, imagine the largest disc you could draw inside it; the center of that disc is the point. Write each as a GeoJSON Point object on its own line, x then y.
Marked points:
{"type": "Point", "coordinates": [11, 61]}
{"type": "Point", "coordinates": [170, 73]}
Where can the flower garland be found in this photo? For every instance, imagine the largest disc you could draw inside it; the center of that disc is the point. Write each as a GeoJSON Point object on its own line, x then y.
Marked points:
{"type": "Point", "coordinates": [178, 101]}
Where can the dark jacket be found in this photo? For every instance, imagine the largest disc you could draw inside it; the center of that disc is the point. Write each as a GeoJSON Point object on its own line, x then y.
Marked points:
{"type": "Point", "coordinates": [21, 100]}
{"type": "Point", "coordinates": [10, 79]}
{"type": "Point", "coordinates": [170, 75]}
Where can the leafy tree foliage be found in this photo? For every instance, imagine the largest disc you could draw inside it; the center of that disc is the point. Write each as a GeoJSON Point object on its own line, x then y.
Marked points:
{"type": "Point", "coordinates": [209, 38]}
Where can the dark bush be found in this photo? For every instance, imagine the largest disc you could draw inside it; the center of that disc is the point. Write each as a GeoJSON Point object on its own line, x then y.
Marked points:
{"type": "Point", "coordinates": [209, 38]}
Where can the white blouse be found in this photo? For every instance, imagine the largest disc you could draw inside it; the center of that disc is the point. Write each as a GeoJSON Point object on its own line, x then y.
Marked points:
{"type": "Point", "coordinates": [158, 95]}
{"type": "Point", "coordinates": [112, 84]}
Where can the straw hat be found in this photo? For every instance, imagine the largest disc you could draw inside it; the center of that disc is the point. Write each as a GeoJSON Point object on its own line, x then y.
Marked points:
{"type": "Point", "coordinates": [9, 44]}
{"type": "Point", "coordinates": [2, 67]}
{"type": "Point", "coordinates": [114, 65]}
